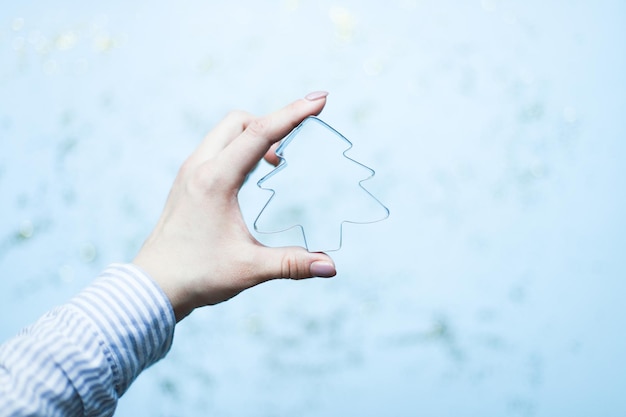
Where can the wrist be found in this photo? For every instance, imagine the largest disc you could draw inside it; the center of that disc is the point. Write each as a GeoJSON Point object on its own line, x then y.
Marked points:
{"type": "Point", "coordinates": [181, 304]}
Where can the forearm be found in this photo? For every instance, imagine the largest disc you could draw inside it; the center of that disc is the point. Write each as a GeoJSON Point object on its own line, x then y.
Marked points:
{"type": "Point", "coordinates": [79, 358]}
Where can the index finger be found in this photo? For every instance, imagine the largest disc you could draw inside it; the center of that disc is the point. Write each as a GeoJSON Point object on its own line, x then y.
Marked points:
{"type": "Point", "coordinates": [244, 152]}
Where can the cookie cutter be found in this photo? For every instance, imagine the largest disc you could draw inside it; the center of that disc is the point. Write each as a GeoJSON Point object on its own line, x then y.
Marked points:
{"type": "Point", "coordinates": [327, 198]}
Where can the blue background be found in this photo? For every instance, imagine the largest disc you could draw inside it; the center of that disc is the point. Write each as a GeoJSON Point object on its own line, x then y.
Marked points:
{"type": "Point", "coordinates": [497, 132]}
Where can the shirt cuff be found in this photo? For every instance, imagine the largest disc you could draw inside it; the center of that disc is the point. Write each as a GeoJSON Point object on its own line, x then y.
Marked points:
{"type": "Point", "coordinates": [132, 317]}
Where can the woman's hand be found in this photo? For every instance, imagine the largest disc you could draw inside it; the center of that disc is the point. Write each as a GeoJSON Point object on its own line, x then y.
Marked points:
{"type": "Point", "coordinates": [201, 251]}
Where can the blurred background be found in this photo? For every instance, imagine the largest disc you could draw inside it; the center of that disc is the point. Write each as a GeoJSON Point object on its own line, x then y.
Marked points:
{"type": "Point", "coordinates": [497, 131]}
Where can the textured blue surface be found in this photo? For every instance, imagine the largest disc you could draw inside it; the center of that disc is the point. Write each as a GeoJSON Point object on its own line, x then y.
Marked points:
{"type": "Point", "coordinates": [497, 133]}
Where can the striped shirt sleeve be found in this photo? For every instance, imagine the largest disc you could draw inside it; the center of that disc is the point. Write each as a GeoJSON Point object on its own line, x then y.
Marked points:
{"type": "Point", "coordinates": [79, 358]}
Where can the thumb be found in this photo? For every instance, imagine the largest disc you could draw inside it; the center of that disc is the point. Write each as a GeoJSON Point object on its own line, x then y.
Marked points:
{"type": "Point", "coordinates": [296, 263]}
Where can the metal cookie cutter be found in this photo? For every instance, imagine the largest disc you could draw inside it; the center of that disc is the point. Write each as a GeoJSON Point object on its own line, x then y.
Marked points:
{"type": "Point", "coordinates": [317, 191]}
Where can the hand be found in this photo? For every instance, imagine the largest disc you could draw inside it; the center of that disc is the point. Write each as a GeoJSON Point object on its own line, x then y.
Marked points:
{"type": "Point", "coordinates": [201, 251]}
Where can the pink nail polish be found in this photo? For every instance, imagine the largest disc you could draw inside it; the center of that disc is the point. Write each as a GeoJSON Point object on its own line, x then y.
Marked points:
{"type": "Point", "coordinates": [316, 95]}
{"type": "Point", "coordinates": [323, 269]}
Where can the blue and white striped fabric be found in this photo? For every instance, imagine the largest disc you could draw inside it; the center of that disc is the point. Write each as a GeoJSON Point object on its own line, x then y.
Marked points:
{"type": "Point", "coordinates": [79, 358]}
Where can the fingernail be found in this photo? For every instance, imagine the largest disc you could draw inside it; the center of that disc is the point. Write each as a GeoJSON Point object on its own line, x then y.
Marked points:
{"type": "Point", "coordinates": [323, 269]}
{"type": "Point", "coordinates": [316, 95]}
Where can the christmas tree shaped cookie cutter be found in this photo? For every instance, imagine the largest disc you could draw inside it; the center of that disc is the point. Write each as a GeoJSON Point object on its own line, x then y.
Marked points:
{"type": "Point", "coordinates": [325, 187]}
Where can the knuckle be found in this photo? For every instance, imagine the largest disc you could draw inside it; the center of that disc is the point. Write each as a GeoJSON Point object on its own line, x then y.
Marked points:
{"type": "Point", "coordinates": [187, 167]}
{"type": "Point", "coordinates": [291, 268]}
{"type": "Point", "coordinates": [296, 114]}
{"type": "Point", "coordinates": [296, 108]}
{"type": "Point", "coordinates": [238, 117]}
{"type": "Point", "coordinates": [205, 178]}
{"type": "Point", "coordinates": [259, 127]}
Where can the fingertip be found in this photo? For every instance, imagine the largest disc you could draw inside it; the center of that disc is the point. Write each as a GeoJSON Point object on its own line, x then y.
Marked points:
{"type": "Point", "coordinates": [323, 269]}
{"type": "Point", "coordinates": [270, 156]}
{"type": "Point", "coordinates": [310, 105]}
{"type": "Point", "coordinates": [316, 95]}
{"type": "Point", "coordinates": [318, 100]}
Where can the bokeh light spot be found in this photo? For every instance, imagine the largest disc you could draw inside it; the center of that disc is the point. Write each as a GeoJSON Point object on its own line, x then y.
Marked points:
{"type": "Point", "coordinates": [17, 24]}
{"type": "Point", "coordinates": [66, 41]}
{"type": "Point", "coordinates": [26, 230]}
{"type": "Point", "coordinates": [344, 21]}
